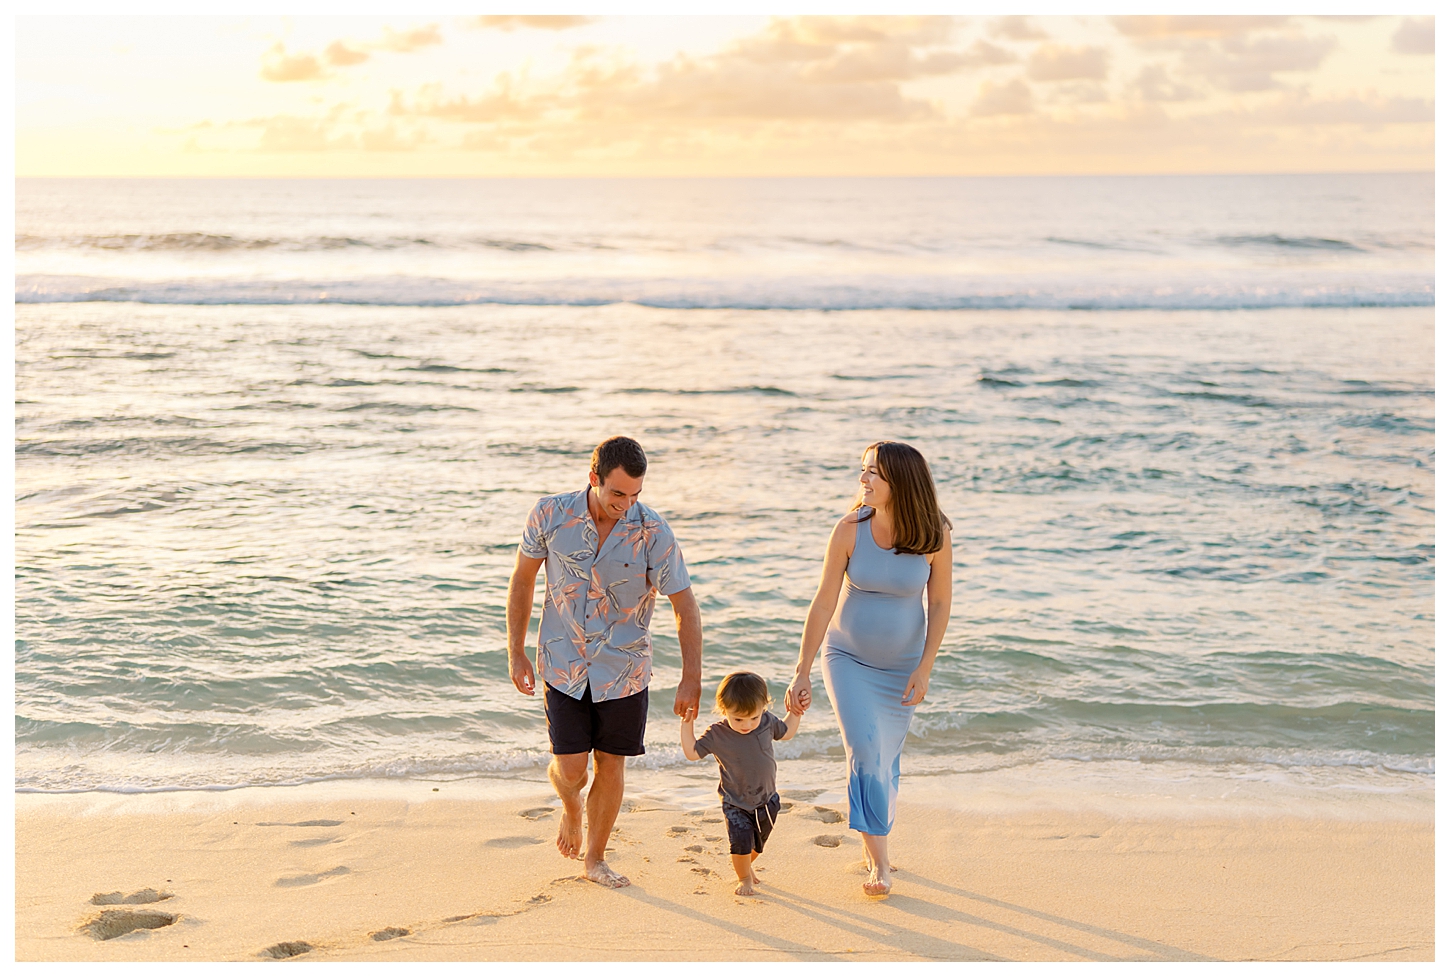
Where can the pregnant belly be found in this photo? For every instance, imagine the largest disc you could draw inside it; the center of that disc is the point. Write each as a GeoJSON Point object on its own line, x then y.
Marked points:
{"type": "Point", "coordinates": [888, 632]}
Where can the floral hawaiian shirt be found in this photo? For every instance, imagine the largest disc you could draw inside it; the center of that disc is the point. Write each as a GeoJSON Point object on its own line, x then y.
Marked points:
{"type": "Point", "coordinates": [595, 629]}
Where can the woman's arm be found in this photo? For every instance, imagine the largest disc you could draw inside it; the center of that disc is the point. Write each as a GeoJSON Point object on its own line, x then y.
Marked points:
{"type": "Point", "coordinates": [938, 612]}
{"type": "Point", "coordinates": [823, 605]}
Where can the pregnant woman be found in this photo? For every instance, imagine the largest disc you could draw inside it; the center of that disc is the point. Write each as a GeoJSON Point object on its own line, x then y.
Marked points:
{"type": "Point", "coordinates": [880, 646]}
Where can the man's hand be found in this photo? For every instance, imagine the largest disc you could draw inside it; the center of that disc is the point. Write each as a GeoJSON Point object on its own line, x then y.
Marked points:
{"type": "Point", "coordinates": [687, 699]}
{"type": "Point", "coordinates": [521, 673]}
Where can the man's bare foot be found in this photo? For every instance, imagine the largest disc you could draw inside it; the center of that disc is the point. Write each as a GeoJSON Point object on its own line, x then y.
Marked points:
{"type": "Point", "coordinates": [746, 887]}
{"type": "Point", "coordinates": [571, 833]}
{"type": "Point", "coordinates": [605, 876]}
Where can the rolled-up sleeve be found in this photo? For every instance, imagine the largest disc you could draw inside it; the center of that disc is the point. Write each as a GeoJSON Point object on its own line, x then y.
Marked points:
{"type": "Point", "coordinates": [667, 573]}
{"type": "Point", "coordinates": [535, 542]}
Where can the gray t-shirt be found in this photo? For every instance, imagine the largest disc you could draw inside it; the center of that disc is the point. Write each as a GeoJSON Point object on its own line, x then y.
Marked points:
{"type": "Point", "coordinates": [747, 760]}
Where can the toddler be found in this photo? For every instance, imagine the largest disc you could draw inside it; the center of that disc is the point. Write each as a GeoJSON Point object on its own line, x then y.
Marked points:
{"type": "Point", "coordinates": [743, 744]}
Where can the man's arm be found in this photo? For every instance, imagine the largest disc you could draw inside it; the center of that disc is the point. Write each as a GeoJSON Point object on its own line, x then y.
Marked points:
{"type": "Point", "coordinates": [687, 625]}
{"type": "Point", "coordinates": [520, 608]}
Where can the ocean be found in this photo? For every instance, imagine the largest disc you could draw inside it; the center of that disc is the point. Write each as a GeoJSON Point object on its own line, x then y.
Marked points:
{"type": "Point", "coordinates": [276, 440]}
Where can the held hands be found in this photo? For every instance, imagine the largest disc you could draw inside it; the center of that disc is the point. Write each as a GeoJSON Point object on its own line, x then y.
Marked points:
{"type": "Point", "coordinates": [798, 696]}
{"type": "Point", "coordinates": [687, 699]}
{"type": "Point", "coordinates": [916, 688]}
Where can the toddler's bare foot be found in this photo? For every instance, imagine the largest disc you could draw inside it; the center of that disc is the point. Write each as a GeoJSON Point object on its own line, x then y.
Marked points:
{"type": "Point", "coordinates": [745, 888]}
{"type": "Point", "coordinates": [605, 876]}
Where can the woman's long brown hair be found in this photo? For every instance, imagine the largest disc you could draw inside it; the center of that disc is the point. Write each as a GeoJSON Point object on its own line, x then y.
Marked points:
{"type": "Point", "coordinates": [920, 525]}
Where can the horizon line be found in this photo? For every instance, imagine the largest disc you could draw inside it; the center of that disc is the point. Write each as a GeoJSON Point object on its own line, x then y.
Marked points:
{"type": "Point", "coordinates": [714, 176]}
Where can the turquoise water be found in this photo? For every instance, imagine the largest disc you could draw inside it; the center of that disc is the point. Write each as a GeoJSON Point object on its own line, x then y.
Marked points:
{"type": "Point", "coordinates": [268, 543]}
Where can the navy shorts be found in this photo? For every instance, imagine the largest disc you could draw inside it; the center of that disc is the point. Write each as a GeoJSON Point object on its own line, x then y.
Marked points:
{"type": "Point", "coordinates": [749, 829]}
{"type": "Point", "coordinates": [582, 725]}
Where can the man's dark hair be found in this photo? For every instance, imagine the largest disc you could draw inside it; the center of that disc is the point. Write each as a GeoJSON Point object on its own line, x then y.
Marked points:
{"type": "Point", "coordinates": [618, 452]}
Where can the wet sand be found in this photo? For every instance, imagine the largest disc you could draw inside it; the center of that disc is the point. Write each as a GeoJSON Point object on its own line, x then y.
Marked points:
{"type": "Point", "coordinates": [411, 873]}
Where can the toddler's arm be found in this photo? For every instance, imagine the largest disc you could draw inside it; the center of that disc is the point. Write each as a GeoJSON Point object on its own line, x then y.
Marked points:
{"type": "Point", "coordinates": [687, 739]}
{"type": "Point", "coordinates": [792, 723]}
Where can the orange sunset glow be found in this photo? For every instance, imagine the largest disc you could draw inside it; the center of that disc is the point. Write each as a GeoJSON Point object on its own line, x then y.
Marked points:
{"type": "Point", "coordinates": [721, 95]}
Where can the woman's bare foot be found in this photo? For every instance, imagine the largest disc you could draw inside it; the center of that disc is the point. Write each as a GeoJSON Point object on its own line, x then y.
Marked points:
{"type": "Point", "coordinates": [875, 885]}
{"type": "Point", "coordinates": [605, 876]}
{"type": "Point", "coordinates": [746, 887]}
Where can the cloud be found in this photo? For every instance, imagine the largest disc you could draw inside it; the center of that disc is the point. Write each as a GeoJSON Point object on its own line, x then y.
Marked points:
{"type": "Point", "coordinates": [1193, 25]}
{"type": "Point", "coordinates": [547, 22]}
{"type": "Point", "coordinates": [986, 53]}
{"type": "Point", "coordinates": [499, 105]}
{"type": "Point", "coordinates": [1154, 85]}
{"type": "Point", "coordinates": [405, 42]}
{"type": "Point", "coordinates": [1368, 110]}
{"type": "Point", "coordinates": [827, 69]}
{"type": "Point", "coordinates": [1081, 93]}
{"type": "Point", "coordinates": [1052, 62]}
{"type": "Point", "coordinates": [290, 134]}
{"type": "Point", "coordinates": [278, 65]}
{"type": "Point", "coordinates": [1016, 29]}
{"type": "Point", "coordinates": [340, 54]}
{"type": "Point", "coordinates": [835, 94]}
{"type": "Point", "coordinates": [729, 88]}
{"type": "Point", "coordinates": [1415, 36]}
{"type": "Point", "coordinates": [1240, 65]}
{"type": "Point", "coordinates": [1012, 98]}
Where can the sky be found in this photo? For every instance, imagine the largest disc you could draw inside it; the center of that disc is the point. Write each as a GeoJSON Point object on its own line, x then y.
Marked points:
{"type": "Point", "coordinates": [511, 95]}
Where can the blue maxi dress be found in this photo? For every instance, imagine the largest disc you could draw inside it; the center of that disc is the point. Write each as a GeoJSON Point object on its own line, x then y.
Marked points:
{"type": "Point", "coordinates": [874, 643]}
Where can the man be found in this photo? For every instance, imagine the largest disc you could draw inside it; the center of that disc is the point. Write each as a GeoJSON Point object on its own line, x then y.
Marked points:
{"type": "Point", "coordinates": [606, 555]}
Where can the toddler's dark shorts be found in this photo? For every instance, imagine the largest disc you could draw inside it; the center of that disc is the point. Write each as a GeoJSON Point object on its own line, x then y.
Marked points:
{"type": "Point", "coordinates": [749, 829]}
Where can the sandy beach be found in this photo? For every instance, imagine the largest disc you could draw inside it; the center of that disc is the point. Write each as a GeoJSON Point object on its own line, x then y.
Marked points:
{"type": "Point", "coordinates": [407, 872]}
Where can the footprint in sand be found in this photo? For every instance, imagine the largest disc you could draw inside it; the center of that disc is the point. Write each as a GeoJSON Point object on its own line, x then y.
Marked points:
{"type": "Point", "coordinates": [391, 933]}
{"type": "Point", "coordinates": [292, 948]}
{"type": "Point", "coordinates": [313, 842]}
{"type": "Point", "coordinates": [139, 897]}
{"type": "Point", "coordinates": [801, 795]}
{"type": "Point", "coordinates": [298, 824]}
{"type": "Point", "coordinates": [111, 923]}
{"type": "Point", "coordinates": [515, 841]}
{"type": "Point", "coordinates": [677, 830]}
{"type": "Point", "coordinates": [828, 841]}
{"type": "Point", "coordinates": [714, 837]}
{"type": "Point", "coordinates": [695, 848]}
{"type": "Point", "coordinates": [534, 813]}
{"type": "Point", "coordinates": [312, 878]}
{"type": "Point", "coordinates": [827, 815]}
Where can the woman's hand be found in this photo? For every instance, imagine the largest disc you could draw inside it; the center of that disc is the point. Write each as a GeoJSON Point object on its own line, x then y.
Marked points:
{"type": "Point", "coordinates": [798, 696]}
{"type": "Point", "coordinates": [916, 687]}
